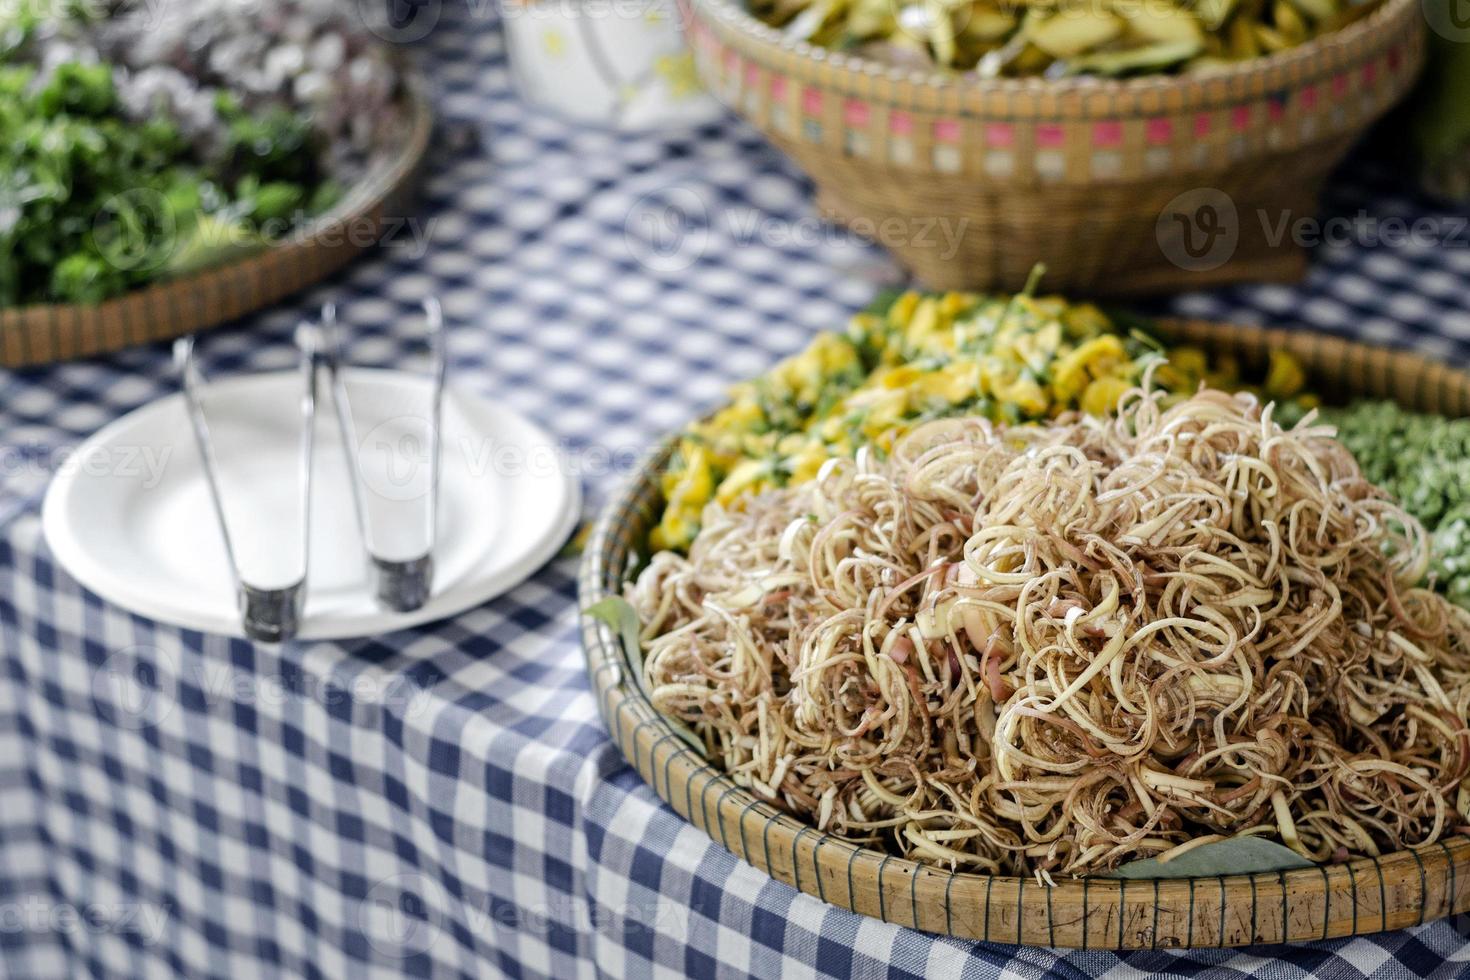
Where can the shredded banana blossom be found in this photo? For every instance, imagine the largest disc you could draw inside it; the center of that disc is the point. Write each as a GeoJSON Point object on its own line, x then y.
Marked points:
{"type": "Point", "coordinates": [1055, 649]}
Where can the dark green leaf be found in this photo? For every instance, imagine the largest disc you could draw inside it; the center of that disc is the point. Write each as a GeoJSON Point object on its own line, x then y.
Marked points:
{"type": "Point", "coordinates": [1235, 856]}
{"type": "Point", "coordinates": [619, 613]}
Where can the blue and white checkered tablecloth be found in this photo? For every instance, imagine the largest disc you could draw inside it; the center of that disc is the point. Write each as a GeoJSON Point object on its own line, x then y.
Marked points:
{"type": "Point", "coordinates": [444, 801]}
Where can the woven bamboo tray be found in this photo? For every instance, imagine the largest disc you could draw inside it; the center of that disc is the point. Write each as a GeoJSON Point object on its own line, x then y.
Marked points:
{"type": "Point", "coordinates": [1120, 186]}
{"type": "Point", "coordinates": [40, 334]}
{"type": "Point", "coordinates": [1326, 902]}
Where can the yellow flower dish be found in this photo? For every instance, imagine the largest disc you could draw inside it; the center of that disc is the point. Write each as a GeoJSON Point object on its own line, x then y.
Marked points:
{"type": "Point", "coordinates": [915, 357]}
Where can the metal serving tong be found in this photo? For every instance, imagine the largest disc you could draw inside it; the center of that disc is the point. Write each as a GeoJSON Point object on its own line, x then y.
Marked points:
{"type": "Point", "coordinates": [400, 584]}
{"type": "Point", "coordinates": [268, 614]}
{"type": "Point", "coordinates": [273, 614]}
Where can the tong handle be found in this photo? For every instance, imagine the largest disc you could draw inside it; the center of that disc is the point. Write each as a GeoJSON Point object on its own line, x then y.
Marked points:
{"type": "Point", "coordinates": [401, 585]}
{"type": "Point", "coordinates": [271, 615]}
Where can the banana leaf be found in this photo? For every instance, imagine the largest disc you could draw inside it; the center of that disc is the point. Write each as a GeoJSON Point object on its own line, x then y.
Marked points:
{"type": "Point", "coordinates": [1235, 856]}
{"type": "Point", "coordinates": [618, 613]}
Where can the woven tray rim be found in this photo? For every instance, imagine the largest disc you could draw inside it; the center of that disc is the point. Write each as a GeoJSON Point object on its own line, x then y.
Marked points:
{"type": "Point", "coordinates": [1425, 883]}
{"type": "Point", "coordinates": [1342, 42]}
{"type": "Point", "coordinates": [24, 328]}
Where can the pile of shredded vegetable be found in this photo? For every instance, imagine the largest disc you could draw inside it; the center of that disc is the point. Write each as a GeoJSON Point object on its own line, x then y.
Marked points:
{"type": "Point", "coordinates": [1051, 649]}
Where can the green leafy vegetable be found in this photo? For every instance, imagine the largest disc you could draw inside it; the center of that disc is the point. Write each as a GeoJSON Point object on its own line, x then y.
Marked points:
{"type": "Point", "coordinates": [94, 203]}
{"type": "Point", "coordinates": [1424, 462]}
{"type": "Point", "coordinates": [619, 614]}
{"type": "Point", "coordinates": [1235, 856]}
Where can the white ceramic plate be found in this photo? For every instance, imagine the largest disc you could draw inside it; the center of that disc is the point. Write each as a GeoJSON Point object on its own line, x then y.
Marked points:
{"type": "Point", "coordinates": [129, 514]}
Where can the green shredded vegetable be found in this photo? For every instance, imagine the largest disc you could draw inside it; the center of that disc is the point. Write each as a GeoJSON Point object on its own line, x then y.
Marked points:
{"type": "Point", "coordinates": [1424, 462]}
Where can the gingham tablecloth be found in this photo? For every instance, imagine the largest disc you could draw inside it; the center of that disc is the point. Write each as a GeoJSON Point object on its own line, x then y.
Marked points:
{"type": "Point", "coordinates": [444, 801]}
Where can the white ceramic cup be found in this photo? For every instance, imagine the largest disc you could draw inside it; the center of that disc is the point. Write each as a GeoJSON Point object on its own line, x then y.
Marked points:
{"type": "Point", "coordinates": [618, 63]}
